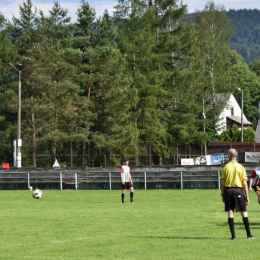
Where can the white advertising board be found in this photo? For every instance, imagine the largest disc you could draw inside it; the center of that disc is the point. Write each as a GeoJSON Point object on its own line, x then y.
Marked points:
{"type": "Point", "coordinates": [253, 157]}
{"type": "Point", "coordinates": [188, 161]}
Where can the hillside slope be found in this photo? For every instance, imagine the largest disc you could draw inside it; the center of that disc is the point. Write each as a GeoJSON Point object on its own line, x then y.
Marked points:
{"type": "Point", "coordinates": [246, 40]}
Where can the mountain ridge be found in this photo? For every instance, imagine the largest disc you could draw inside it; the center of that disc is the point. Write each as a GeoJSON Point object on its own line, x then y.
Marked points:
{"type": "Point", "coordinates": [246, 39]}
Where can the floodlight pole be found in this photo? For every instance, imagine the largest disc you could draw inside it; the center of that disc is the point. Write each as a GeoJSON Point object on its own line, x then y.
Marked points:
{"type": "Point", "coordinates": [204, 116]}
{"type": "Point", "coordinates": [242, 113]}
{"type": "Point", "coordinates": [18, 163]}
{"type": "Point", "coordinates": [19, 140]}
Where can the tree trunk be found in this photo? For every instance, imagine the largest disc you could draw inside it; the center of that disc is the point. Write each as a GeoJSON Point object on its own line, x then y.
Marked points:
{"type": "Point", "coordinates": [53, 151]}
{"type": "Point", "coordinates": [33, 142]}
{"type": "Point", "coordinates": [89, 162]}
{"type": "Point", "coordinates": [71, 154]}
{"type": "Point", "coordinates": [150, 153]}
{"type": "Point", "coordinates": [83, 154]}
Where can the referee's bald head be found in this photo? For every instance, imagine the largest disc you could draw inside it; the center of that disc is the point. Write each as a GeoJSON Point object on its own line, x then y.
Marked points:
{"type": "Point", "coordinates": [232, 152]}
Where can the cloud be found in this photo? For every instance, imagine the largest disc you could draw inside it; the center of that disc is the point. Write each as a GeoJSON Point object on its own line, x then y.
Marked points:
{"type": "Point", "coordinates": [8, 8]}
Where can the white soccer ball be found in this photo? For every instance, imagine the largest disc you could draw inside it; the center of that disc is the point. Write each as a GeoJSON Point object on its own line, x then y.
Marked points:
{"type": "Point", "coordinates": [37, 194]}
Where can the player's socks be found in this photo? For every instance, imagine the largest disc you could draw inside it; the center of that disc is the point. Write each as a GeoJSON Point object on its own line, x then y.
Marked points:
{"type": "Point", "coordinates": [131, 196]}
{"type": "Point", "coordinates": [246, 224]}
{"type": "Point", "coordinates": [123, 197]}
{"type": "Point", "coordinates": [231, 226]}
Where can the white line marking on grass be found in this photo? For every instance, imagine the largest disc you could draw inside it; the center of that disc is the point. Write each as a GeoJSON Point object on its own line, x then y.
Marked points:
{"type": "Point", "coordinates": [66, 241]}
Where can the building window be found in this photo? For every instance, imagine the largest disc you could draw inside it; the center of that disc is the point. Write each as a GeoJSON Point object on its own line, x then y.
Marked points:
{"type": "Point", "coordinates": [232, 111]}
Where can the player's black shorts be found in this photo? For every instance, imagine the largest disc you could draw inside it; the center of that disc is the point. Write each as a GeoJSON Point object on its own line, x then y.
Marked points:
{"type": "Point", "coordinates": [127, 185]}
{"type": "Point", "coordinates": [235, 199]}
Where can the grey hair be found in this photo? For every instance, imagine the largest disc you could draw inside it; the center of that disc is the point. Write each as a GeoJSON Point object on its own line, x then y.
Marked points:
{"type": "Point", "coordinates": [232, 152]}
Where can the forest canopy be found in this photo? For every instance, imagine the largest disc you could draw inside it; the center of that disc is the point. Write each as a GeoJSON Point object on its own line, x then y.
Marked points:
{"type": "Point", "coordinates": [128, 85]}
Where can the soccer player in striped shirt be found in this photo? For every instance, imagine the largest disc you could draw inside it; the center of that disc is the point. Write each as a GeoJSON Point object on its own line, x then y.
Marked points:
{"type": "Point", "coordinates": [255, 182]}
{"type": "Point", "coordinates": [127, 182]}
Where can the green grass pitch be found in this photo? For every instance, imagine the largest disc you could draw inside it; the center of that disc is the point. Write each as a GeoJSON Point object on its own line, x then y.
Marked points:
{"type": "Point", "coordinates": [84, 224]}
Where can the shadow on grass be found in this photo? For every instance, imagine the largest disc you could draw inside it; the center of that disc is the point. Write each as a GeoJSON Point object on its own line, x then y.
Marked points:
{"type": "Point", "coordinates": [253, 225]}
{"type": "Point", "coordinates": [178, 237]}
{"type": "Point", "coordinates": [223, 211]}
{"type": "Point", "coordinates": [238, 224]}
{"type": "Point", "coordinates": [102, 202]}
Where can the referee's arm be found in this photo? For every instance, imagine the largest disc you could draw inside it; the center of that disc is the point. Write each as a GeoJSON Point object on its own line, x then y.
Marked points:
{"type": "Point", "coordinates": [244, 183]}
{"type": "Point", "coordinates": [222, 187]}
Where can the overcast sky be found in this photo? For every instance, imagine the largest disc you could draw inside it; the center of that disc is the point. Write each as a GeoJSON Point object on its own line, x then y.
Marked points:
{"type": "Point", "coordinates": [11, 7]}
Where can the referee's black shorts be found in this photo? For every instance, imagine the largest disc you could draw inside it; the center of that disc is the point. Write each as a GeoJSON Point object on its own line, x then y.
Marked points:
{"type": "Point", "coordinates": [235, 199]}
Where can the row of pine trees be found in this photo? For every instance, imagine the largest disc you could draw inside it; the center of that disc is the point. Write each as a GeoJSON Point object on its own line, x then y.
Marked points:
{"type": "Point", "coordinates": [130, 84]}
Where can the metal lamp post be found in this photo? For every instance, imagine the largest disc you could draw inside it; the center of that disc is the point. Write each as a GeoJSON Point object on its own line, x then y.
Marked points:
{"type": "Point", "coordinates": [19, 140]}
{"type": "Point", "coordinates": [242, 113]}
{"type": "Point", "coordinates": [204, 116]}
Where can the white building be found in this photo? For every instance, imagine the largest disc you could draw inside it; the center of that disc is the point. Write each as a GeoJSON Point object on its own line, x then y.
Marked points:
{"type": "Point", "coordinates": [231, 113]}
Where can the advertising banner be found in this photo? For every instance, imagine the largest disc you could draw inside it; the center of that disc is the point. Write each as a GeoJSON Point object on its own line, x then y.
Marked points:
{"type": "Point", "coordinates": [189, 161]}
{"type": "Point", "coordinates": [253, 157]}
{"type": "Point", "coordinates": [222, 158]}
{"type": "Point", "coordinates": [202, 160]}
{"type": "Point", "coordinates": [218, 158]}
{"type": "Point", "coordinates": [241, 157]}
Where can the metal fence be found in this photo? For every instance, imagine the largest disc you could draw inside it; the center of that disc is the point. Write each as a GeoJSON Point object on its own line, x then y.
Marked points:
{"type": "Point", "coordinates": [109, 180]}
